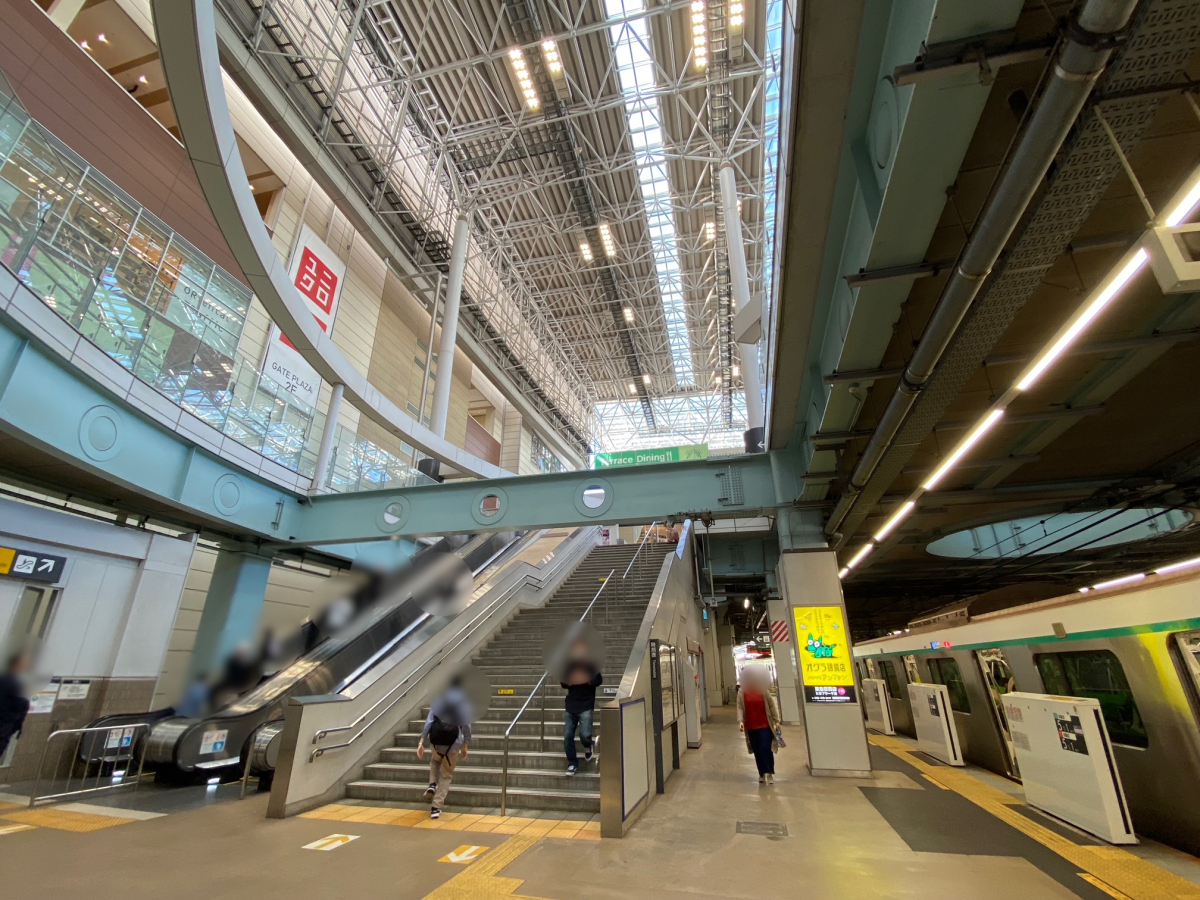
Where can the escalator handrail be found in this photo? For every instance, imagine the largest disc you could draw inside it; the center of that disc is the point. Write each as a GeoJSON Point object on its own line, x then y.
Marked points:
{"type": "Point", "coordinates": [428, 665]}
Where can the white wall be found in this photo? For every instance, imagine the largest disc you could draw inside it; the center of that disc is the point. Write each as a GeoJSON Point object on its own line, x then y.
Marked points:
{"type": "Point", "coordinates": [120, 590]}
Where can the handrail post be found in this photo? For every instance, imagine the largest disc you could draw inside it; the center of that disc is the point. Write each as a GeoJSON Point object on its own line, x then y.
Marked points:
{"type": "Point", "coordinates": [504, 779]}
{"type": "Point", "coordinates": [542, 745]}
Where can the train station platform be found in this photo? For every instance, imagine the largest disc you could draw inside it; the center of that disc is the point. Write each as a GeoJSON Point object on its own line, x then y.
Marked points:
{"type": "Point", "coordinates": [916, 829]}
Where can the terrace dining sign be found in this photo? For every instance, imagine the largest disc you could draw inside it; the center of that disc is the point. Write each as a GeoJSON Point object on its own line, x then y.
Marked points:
{"type": "Point", "coordinates": [649, 457]}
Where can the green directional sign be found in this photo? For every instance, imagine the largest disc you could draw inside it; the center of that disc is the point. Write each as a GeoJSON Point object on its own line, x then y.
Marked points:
{"type": "Point", "coordinates": [647, 457]}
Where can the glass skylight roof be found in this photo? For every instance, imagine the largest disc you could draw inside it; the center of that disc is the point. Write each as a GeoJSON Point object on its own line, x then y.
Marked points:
{"type": "Point", "coordinates": [635, 69]}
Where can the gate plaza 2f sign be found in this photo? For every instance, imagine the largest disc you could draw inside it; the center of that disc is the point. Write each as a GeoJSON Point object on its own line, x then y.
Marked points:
{"type": "Point", "coordinates": [318, 274]}
{"type": "Point", "coordinates": [824, 648]}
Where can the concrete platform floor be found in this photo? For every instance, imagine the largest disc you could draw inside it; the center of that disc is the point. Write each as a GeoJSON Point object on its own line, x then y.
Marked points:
{"type": "Point", "coordinates": [916, 830]}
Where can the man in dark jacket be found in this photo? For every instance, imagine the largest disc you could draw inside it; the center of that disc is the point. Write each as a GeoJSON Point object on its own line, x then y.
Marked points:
{"type": "Point", "coordinates": [14, 705]}
{"type": "Point", "coordinates": [580, 680]}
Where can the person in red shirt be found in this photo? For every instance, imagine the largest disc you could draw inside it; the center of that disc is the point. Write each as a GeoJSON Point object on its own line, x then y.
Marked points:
{"type": "Point", "coordinates": [759, 719]}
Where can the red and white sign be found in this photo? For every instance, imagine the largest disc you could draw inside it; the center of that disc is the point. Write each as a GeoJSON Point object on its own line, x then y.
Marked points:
{"type": "Point", "coordinates": [317, 274]}
{"type": "Point", "coordinates": [779, 632]}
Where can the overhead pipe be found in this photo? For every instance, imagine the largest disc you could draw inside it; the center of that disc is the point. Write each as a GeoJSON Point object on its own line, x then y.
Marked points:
{"type": "Point", "coordinates": [1090, 39]}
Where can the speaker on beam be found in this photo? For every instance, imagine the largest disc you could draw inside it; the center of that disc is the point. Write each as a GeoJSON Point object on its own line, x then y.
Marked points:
{"type": "Point", "coordinates": [754, 439]}
{"type": "Point", "coordinates": [430, 467]}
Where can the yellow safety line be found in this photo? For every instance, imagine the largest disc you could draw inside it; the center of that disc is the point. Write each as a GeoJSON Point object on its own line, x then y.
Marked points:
{"type": "Point", "coordinates": [570, 829]}
{"type": "Point", "coordinates": [1107, 888]}
{"type": "Point", "coordinates": [935, 782]}
{"type": "Point", "coordinates": [480, 881]}
{"type": "Point", "coordinates": [63, 820]}
{"type": "Point", "coordinates": [1118, 869]}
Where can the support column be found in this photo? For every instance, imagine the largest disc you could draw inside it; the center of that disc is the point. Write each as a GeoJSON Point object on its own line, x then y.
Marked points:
{"type": "Point", "coordinates": [740, 281]}
{"type": "Point", "coordinates": [832, 713]}
{"type": "Point", "coordinates": [232, 608]}
{"type": "Point", "coordinates": [783, 652]}
{"type": "Point", "coordinates": [445, 374]}
{"type": "Point", "coordinates": [325, 451]}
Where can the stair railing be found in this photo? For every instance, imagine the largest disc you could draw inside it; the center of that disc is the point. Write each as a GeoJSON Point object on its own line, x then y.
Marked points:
{"type": "Point", "coordinates": [540, 686]}
{"type": "Point", "coordinates": [641, 544]}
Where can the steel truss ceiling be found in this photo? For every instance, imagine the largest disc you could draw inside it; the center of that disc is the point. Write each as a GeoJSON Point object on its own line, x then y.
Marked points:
{"type": "Point", "coordinates": [420, 101]}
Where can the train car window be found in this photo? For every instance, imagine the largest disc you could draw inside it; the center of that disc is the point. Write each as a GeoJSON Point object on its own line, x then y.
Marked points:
{"type": "Point", "coordinates": [946, 671]}
{"type": "Point", "coordinates": [1096, 674]}
{"type": "Point", "coordinates": [889, 675]}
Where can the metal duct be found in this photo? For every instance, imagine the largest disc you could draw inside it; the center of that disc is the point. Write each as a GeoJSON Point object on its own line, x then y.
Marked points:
{"type": "Point", "coordinates": [1088, 45]}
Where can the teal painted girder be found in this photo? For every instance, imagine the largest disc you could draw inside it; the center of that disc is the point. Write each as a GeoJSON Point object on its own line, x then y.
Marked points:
{"type": "Point", "coordinates": [723, 488]}
{"type": "Point", "coordinates": [50, 405]}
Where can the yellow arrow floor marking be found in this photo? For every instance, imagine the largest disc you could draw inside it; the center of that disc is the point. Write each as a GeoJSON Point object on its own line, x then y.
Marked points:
{"type": "Point", "coordinates": [467, 853]}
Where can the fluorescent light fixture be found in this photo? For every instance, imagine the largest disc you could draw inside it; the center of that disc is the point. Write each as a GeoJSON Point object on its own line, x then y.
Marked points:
{"type": "Point", "coordinates": [843, 573]}
{"type": "Point", "coordinates": [746, 603]}
{"type": "Point", "coordinates": [606, 238]}
{"type": "Point", "coordinates": [1175, 567]}
{"type": "Point", "coordinates": [891, 523]}
{"type": "Point", "coordinates": [1185, 207]}
{"type": "Point", "coordinates": [1127, 579]}
{"type": "Point", "coordinates": [963, 446]}
{"type": "Point", "coordinates": [645, 379]}
{"type": "Point", "coordinates": [586, 251]}
{"type": "Point", "coordinates": [736, 371]}
{"type": "Point", "coordinates": [710, 231]}
{"type": "Point", "coordinates": [861, 555]}
{"type": "Point", "coordinates": [628, 313]}
{"type": "Point", "coordinates": [1084, 590]}
{"type": "Point", "coordinates": [553, 61]}
{"type": "Point", "coordinates": [633, 389]}
{"type": "Point", "coordinates": [521, 70]}
{"type": "Point", "coordinates": [699, 35]}
{"type": "Point", "coordinates": [1093, 309]}
{"type": "Point", "coordinates": [736, 15]}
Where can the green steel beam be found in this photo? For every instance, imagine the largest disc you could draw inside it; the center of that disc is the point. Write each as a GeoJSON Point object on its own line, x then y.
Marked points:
{"type": "Point", "coordinates": [47, 403]}
{"type": "Point", "coordinates": [728, 487]}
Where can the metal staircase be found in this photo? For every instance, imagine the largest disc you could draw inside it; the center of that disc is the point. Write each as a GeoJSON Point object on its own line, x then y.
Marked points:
{"type": "Point", "coordinates": [512, 660]}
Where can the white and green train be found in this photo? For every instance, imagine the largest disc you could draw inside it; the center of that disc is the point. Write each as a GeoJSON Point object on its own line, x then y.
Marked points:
{"type": "Point", "coordinates": [1136, 649]}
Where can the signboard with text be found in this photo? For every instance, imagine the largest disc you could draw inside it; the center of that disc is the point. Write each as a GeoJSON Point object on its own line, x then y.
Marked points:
{"type": "Point", "coordinates": [31, 565]}
{"type": "Point", "coordinates": [317, 274]}
{"type": "Point", "coordinates": [824, 654]}
{"type": "Point", "coordinates": [648, 457]}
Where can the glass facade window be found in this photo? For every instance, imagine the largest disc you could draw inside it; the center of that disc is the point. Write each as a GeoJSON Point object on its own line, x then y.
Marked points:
{"type": "Point", "coordinates": [543, 458]}
{"type": "Point", "coordinates": [1097, 674]}
{"type": "Point", "coordinates": [944, 670]}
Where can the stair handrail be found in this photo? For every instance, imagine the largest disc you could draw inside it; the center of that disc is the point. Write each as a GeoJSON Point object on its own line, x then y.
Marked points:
{"type": "Point", "coordinates": [641, 544]}
{"type": "Point", "coordinates": [537, 687]}
{"type": "Point", "coordinates": [429, 665]}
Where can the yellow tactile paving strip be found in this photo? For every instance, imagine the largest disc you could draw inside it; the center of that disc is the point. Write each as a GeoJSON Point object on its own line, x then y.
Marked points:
{"type": "Point", "coordinates": [62, 820]}
{"type": "Point", "coordinates": [479, 880]}
{"type": "Point", "coordinates": [419, 818]}
{"type": "Point", "coordinates": [1115, 871]}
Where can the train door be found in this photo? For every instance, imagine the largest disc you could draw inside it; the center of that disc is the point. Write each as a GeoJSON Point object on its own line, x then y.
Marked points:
{"type": "Point", "coordinates": [1188, 645]}
{"type": "Point", "coordinates": [872, 669]}
{"type": "Point", "coordinates": [910, 669]}
{"type": "Point", "coordinates": [998, 677]}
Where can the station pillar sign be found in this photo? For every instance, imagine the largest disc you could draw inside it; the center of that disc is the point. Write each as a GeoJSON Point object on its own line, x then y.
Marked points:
{"type": "Point", "coordinates": [824, 648]}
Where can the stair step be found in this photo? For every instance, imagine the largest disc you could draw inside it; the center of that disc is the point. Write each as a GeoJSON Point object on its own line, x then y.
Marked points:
{"type": "Point", "coordinates": [417, 774]}
{"type": "Point", "coordinates": [479, 795]}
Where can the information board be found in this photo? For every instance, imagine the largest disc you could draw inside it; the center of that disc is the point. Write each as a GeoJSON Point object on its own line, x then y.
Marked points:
{"type": "Point", "coordinates": [647, 457]}
{"type": "Point", "coordinates": [30, 565]}
{"type": "Point", "coordinates": [824, 644]}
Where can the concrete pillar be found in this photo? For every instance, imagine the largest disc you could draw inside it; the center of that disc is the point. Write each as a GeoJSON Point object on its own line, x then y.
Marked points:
{"type": "Point", "coordinates": [325, 451]}
{"type": "Point", "coordinates": [232, 608]}
{"type": "Point", "coordinates": [740, 282]}
{"type": "Point", "coordinates": [445, 373]}
{"type": "Point", "coordinates": [785, 661]}
{"type": "Point", "coordinates": [833, 720]}
{"type": "Point", "coordinates": [63, 12]}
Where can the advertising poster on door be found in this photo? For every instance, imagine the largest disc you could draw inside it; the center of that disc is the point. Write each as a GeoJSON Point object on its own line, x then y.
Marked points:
{"type": "Point", "coordinates": [824, 654]}
{"type": "Point", "coordinates": [317, 274]}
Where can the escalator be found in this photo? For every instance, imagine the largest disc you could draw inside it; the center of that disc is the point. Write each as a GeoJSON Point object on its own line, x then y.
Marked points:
{"type": "Point", "coordinates": [412, 604]}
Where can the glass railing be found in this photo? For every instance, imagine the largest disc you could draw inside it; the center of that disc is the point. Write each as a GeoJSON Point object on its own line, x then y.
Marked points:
{"type": "Point", "coordinates": [157, 305]}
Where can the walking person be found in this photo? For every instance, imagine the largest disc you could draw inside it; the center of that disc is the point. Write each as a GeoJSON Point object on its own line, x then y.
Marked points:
{"type": "Point", "coordinates": [447, 733]}
{"type": "Point", "coordinates": [758, 717]}
{"type": "Point", "coordinates": [580, 679]}
{"type": "Point", "coordinates": [14, 705]}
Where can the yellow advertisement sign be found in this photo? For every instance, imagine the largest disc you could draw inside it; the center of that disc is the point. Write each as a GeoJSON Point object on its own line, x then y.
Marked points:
{"type": "Point", "coordinates": [824, 648]}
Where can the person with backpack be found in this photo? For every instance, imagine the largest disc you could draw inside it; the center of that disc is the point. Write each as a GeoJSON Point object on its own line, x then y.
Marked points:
{"type": "Point", "coordinates": [580, 680]}
{"type": "Point", "coordinates": [447, 733]}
